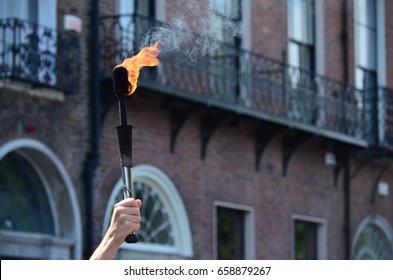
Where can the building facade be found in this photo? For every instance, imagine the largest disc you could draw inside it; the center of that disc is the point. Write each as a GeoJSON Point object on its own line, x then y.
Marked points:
{"type": "Point", "coordinates": [266, 132]}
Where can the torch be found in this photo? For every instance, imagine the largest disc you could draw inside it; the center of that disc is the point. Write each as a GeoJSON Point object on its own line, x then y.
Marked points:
{"type": "Point", "coordinates": [125, 77]}
{"type": "Point", "coordinates": [122, 87]}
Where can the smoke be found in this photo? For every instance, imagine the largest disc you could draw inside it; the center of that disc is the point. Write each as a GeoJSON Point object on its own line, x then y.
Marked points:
{"type": "Point", "coordinates": [177, 35]}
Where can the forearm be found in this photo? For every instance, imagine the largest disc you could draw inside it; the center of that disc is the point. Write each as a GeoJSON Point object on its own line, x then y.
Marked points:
{"type": "Point", "coordinates": [106, 250]}
{"type": "Point", "coordinates": [125, 219]}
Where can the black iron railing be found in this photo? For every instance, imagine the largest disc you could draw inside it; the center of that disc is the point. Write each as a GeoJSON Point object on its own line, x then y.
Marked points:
{"type": "Point", "coordinates": [39, 55]}
{"type": "Point", "coordinates": [385, 117]}
{"type": "Point", "coordinates": [215, 73]}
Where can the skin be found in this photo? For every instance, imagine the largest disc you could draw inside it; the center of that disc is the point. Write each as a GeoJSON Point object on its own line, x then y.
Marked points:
{"type": "Point", "coordinates": [125, 219]}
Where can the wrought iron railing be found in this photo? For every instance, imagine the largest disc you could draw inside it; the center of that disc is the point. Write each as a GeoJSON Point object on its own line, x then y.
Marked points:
{"type": "Point", "coordinates": [225, 76]}
{"type": "Point", "coordinates": [39, 55]}
{"type": "Point", "coordinates": [385, 117]}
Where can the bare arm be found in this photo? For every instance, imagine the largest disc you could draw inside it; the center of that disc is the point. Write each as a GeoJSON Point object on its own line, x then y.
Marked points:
{"type": "Point", "coordinates": [125, 219]}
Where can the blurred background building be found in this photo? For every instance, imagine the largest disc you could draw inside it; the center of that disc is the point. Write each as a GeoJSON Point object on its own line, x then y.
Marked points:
{"type": "Point", "coordinates": [265, 133]}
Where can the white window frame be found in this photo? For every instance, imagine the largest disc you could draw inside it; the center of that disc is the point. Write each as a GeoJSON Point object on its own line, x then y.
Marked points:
{"type": "Point", "coordinates": [249, 227]}
{"type": "Point", "coordinates": [321, 234]}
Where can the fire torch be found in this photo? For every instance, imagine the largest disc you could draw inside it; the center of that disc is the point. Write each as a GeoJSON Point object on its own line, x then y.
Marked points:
{"type": "Point", "coordinates": [121, 87]}
{"type": "Point", "coordinates": [125, 78]}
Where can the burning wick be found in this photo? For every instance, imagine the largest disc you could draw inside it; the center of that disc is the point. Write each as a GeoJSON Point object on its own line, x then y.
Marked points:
{"type": "Point", "coordinates": [146, 57]}
{"type": "Point", "coordinates": [125, 80]}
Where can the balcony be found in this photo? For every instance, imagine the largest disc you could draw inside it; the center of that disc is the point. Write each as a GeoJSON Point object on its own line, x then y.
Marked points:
{"type": "Point", "coordinates": [38, 55]}
{"type": "Point", "coordinates": [250, 84]}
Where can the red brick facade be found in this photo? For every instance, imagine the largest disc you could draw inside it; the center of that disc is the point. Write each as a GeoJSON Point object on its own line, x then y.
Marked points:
{"type": "Point", "coordinates": [228, 171]}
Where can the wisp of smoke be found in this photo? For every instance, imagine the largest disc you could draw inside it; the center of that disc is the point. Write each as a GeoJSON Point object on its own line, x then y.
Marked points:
{"type": "Point", "coordinates": [177, 36]}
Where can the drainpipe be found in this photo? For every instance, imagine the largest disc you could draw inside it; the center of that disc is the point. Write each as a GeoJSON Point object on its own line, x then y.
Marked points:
{"type": "Point", "coordinates": [95, 121]}
{"type": "Point", "coordinates": [346, 157]}
{"type": "Point", "coordinates": [344, 41]}
{"type": "Point", "coordinates": [347, 206]}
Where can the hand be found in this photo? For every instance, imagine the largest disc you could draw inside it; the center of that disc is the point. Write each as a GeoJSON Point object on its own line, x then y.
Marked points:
{"type": "Point", "coordinates": [125, 219]}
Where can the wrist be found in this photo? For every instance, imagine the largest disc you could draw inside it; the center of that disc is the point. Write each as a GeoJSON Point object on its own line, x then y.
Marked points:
{"type": "Point", "coordinates": [107, 249]}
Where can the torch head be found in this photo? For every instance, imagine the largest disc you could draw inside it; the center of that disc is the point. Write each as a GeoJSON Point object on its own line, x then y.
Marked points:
{"type": "Point", "coordinates": [121, 85]}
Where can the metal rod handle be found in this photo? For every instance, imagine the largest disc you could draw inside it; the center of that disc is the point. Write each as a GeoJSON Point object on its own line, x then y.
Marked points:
{"type": "Point", "coordinates": [128, 192]}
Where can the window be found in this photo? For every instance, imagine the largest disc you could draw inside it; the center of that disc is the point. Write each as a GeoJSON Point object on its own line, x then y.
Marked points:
{"type": "Point", "coordinates": [156, 227]}
{"type": "Point", "coordinates": [224, 29]}
{"type": "Point", "coordinates": [301, 33]}
{"type": "Point", "coordinates": [136, 17]}
{"type": "Point", "coordinates": [225, 20]}
{"type": "Point", "coordinates": [305, 240]}
{"type": "Point", "coordinates": [366, 33]}
{"type": "Point", "coordinates": [165, 229]}
{"type": "Point", "coordinates": [301, 90]}
{"type": "Point", "coordinates": [230, 234]}
{"type": "Point", "coordinates": [366, 62]}
{"type": "Point", "coordinates": [309, 238]}
{"type": "Point", "coordinates": [23, 197]}
{"type": "Point", "coordinates": [233, 232]}
{"type": "Point", "coordinates": [39, 211]}
{"type": "Point", "coordinates": [373, 240]}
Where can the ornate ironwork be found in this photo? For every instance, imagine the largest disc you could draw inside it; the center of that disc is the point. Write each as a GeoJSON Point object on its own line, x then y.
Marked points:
{"type": "Point", "coordinates": [385, 117]}
{"type": "Point", "coordinates": [213, 72]}
{"type": "Point", "coordinates": [39, 55]}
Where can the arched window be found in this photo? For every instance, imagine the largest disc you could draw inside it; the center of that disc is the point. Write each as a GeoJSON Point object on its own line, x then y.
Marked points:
{"type": "Point", "coordinates": [23, 197]}
{"type": "Point", "coordinates": [165, 229]}
{"type": "Point", "coordinates": [373, 240]}
{"type": "Point", "coordinates": [39, 211]}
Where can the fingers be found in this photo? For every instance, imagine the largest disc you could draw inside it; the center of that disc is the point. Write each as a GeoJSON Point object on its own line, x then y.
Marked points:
{"type": "Point", "coordinates": [126, 213]}
{"type": "Point", "coordinates": [124, 210]}
{"type": "Point", "coordinates": [130, 202]}
{"type": "Point", "coordinates": [129, 221]}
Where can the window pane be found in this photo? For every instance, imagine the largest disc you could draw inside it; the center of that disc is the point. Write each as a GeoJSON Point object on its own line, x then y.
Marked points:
{"type": "Point", "coordinates": [294, 54]}
{"type": "Point", "coordinates": [366, 34]}
{"type": "Point", "coordinates": [126, 6]}
{"type": "Point", "coordinates": [230, 234]}
{"type": "Point", "coordinates": [372, 244]}
{"type": "Point", "coordinates": [301, 21]}
{"type": "Point", "coordinates": [305, 240]}
{"type": "Point", "coordinates": [362, 12]}
{"type": "Point", "coordinates": [225, 20]}
{"type": "Point", "coordinates": [309, 22]}
{"type": "Point", "coordinates": [372, 63]}
{"type": "Point", "coordinates": [371, 18]}
{"type": "Point", "coordinates": [24, 204]}
{"type": "Point", "coordinates": [296, 17]}
{"type": "Point", "coordinates": [362, 46]}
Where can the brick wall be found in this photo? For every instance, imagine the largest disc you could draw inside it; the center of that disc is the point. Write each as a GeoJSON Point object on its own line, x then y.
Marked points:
{"type": "Point", "coordinates": [228, 174]}
{"type": "Point", "coordinates": [61, 120]}
{"type": "Point", "coordinates": [228, 171]}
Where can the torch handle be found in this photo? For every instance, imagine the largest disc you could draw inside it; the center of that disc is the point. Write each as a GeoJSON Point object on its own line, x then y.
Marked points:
{"type": "Point", "coordinates": [124, 137]}
{"type": "Point", "coordinates": [128, 191]}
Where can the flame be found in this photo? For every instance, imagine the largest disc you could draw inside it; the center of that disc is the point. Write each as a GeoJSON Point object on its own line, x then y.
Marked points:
{"type": "Point", "coordinates": [146, 57]}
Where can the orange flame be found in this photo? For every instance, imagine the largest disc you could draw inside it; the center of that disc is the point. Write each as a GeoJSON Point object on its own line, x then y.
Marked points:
{"type": "Point", "coordinates": [146, 57]}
